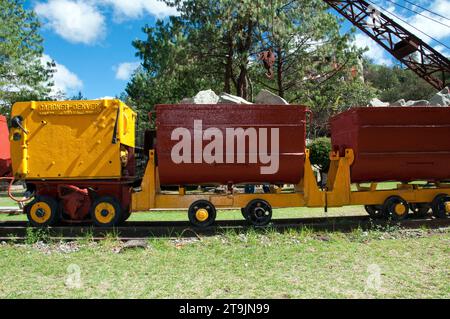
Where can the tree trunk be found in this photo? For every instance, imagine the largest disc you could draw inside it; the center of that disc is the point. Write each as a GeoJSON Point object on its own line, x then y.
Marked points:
{"type": "Point", "coordinates": [280, 72]}
{"type": "Point", "coordinates": [244, 51]}
{"type": "Point", "coordinates": [242, 84]}
{"type": "Point", "coordinates": [229, 66]}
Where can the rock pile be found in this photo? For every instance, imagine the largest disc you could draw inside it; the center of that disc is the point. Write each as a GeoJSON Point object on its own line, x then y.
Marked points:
{"type": "Point", "coordinates": [441, 98]}
{"type": "Point", "coordinates": [209, 97]}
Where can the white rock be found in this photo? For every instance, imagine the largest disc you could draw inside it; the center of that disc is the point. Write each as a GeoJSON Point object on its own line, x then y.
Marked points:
{"type": "Point", "coordinates": [400, 102]}
{"type": "Point", "coordinates": [267, 97]}
{"type": "Point", "coordinates": [226, 98]}
{"type": "Point", "coordinates": [187, 100]}
{"type": "Point", "coordinates": [442, 98]}
{"type": "Point", "coordinates": [206, 97]}
{"type": "Point", "coordinates": [377, 103]}
{"type": "Point", "coordinates": [417, 103]}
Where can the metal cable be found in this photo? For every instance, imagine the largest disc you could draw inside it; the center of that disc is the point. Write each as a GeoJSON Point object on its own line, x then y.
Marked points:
{"type": "Point", "coordinates": [419, 13]}
{"type": "Point", "coordinates": [404, 21]}
{"type": "Point", "coordinates": [423, 8]}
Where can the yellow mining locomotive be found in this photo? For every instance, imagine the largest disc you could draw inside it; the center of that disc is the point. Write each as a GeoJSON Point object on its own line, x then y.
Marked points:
{"type": "Point", "coordinates": [77, 157]}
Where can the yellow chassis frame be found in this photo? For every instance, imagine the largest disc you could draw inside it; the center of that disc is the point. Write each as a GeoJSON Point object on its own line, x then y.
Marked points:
{"type": "Point", "coordinates": [338, 192]}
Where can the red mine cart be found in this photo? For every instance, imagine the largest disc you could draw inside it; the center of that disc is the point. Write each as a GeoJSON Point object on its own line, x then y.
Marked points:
{"type": "Point", "coordinates": [253, 144]}
{"type": "Point", "coordinates": [395, 143]}
{"type": "Point", "coordinates": [5, 155]}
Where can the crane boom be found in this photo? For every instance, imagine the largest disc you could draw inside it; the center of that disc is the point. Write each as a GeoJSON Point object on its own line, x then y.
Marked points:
{"type": "Point", "coordinates": [417, 55]}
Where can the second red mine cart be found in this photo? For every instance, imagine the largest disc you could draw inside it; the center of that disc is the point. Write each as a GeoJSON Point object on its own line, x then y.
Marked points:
{"type": "Point", "coordinates": [395, 143]}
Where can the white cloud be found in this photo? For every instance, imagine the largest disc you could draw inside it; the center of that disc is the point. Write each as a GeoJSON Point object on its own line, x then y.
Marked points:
{"type": "Point", "coordinates": [106, 98]}
{"type": "Point", "coordinates": [132, 9]}
{"type": "Point", "coordinates": [125, 70]}
{"type": "Point", "coordinates": [413, 24]}
{"type": "Point", "coordinates": [376, 52]}
{"type": "Point", "coordinates": [64, 80]}
{"type": "Point", "coordinates": [424, 24]}
{"type": "Point", "coordinates": [76, 21]}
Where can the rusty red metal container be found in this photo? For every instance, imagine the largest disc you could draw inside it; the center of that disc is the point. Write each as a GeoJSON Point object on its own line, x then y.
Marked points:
{"type": "Point", "coordinates": [5, 155]}
{"type": "Point", "coordinates": [395, 143]}
{"type": "Point", "coordinates": [288, 121]}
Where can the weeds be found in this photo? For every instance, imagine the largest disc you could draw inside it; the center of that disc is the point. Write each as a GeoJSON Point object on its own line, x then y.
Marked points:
{"type": "Point", "coordinates": [34, 235]}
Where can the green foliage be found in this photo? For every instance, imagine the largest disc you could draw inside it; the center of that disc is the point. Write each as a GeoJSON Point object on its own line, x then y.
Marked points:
{"type": "Point", "coordinates": [320, 149]}
{"type": "Point", "coordinates": [35, 235]}
{"type": "Point", "coordinates": [23, 75]}
{"type": "Point", "coordinates": [168, 73]}
{"type": "Point", "coordinates": [216, 44]}
{"type": "Point", "coordinates": [332, 97]}
{"type": "Point", "coordinates": [395, 83]}
{"type": "Point", "coordinates": [78, 97]}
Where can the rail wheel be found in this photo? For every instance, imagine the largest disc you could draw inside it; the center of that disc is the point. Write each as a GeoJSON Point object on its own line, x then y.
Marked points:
{"type": "Point", "coordinates": [258, 212]}
{"type": "Point", "coordinates": [125, 215]}
{"type": "Point", "coordinates": [43, 211]}
{"type": "Point", "coordinates": [106, 211]}
{"type": "Point", "coordinates": [419, 209]}
{"type": "Point", "coordinates": [374, 211]}
{"type": "Point", "coordinates": [441, 206]}
{"type": "Point", "coordinates": [244, 214]}
{"type": "Point", "coordinates": [202, 213]}
{"type": "Point", "coordinates": [396, 208]}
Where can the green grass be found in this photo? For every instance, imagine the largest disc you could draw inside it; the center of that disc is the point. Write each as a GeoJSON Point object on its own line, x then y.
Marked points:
{"type": "Point", "coordinates": [6, 201]}
{"type": "Point", "coordinates": [299, 264]}
{"type": "Point", "coordinates": [297, 212]}
{"type": "Point", "coordinates": [181, 215]}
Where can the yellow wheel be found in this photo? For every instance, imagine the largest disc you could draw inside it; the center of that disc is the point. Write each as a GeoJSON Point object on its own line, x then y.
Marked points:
{"type": "Point", "coordinates": [202, 213]}
{"type": "Point", "coordinates": [396, 208]}
{"type": "Point", "coordinates": [42, 211]}
{"type": "Point", "coordinates": [106, 212]}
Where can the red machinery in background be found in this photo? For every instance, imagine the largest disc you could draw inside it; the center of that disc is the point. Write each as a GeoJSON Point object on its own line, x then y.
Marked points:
{"type": "Point", "coordinates": [5, 155]}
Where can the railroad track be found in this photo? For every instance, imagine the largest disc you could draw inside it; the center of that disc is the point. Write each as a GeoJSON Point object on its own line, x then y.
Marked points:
{"type": "Point", "coordinates": [17, 230]}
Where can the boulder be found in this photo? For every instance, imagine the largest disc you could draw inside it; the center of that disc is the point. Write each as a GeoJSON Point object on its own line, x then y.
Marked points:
{"type": "Point", "coordinates": [133, 244]}
{"type": "Point", "coordinates": [441, 98]}
{"type": "Point", "coordinates": [267, 97]}
{"type": "Point", "coordinates": [187, 100]}
{"type": "Point", "coordinates": [417, 103]}
{"type": "Point", "coordinates": [226, 98]}
{"type": "Point", "coordinates": [378, 103]}
{"type": "Point", "coordinates": [400, 102]}
{"type": "Point", "coordinates": [206, 97]}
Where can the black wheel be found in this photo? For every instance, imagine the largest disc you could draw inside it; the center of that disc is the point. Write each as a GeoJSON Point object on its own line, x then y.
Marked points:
{"type": "Point", "coordinates": [202, 213]}
{"type": "Point", "coordinates": [259, 212]}
{"type": "Point", "coordinates": [43, 211]}
{"type": "Point", "coordinates": [396, 208]}
{"type": "Point", "coordinates": [441, 206]}
{"type": "Point", "coordinates": [106, 212]}
{"type": "Point", "coordinates": [244, 214]}
{"type": "Point", "coordinates": [374, 211]}
{"type": "Point", "coordinates": [125, 215]}
{"type": "Point", "coordinates": [419, 209]}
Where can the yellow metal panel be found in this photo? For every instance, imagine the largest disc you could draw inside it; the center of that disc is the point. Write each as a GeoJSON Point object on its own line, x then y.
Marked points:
{"type": "Point", "coordinates": [70, 139]}
{"type": "Point", "coordinates": [151, 198]}
{"type": "Point", "coordinates": [127, 120]}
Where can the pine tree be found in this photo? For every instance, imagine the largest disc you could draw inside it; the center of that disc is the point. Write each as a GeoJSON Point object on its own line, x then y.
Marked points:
{"type": "Point", "coordinates": [23, 75]}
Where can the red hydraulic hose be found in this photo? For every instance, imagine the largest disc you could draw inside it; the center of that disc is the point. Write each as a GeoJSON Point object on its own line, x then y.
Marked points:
{"type": "Point", "coordinates": [12, 179]}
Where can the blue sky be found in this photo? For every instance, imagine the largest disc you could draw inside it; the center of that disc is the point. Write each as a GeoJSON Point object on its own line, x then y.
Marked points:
{"type": "Point", "coordinates": [90, 40]}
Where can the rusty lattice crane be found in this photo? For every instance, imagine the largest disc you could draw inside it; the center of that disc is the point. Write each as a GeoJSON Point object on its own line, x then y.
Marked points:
{"type": "Point", "coordinates": [413, 52]}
